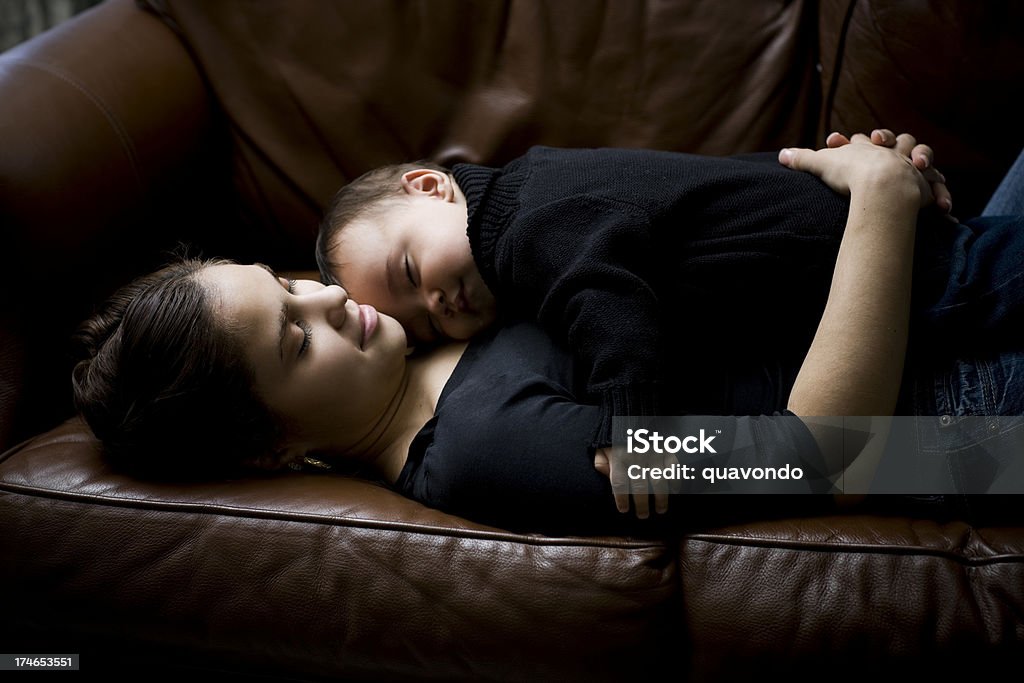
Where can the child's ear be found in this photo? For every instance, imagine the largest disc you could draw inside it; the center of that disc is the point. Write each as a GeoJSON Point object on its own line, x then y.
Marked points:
{"type": "Point", "coordinates": [425, 181]}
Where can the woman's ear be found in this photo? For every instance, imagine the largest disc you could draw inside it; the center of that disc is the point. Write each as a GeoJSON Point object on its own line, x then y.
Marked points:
{"type": "Point", "coordinates": [428, 182]}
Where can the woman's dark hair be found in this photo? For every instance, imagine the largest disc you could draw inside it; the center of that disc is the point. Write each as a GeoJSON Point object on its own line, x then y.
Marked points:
{"type": "Point", "coordinates": [164, 387]}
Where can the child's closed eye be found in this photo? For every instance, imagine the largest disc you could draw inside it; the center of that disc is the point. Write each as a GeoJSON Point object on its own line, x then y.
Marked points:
{"type": "Point", "coordinates": [408, 272]}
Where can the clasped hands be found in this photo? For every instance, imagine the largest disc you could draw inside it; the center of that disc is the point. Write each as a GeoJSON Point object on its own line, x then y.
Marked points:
{"type": "Point", "coordinates": [844, 164]}
{"type": "Point", "coordinates": [884, 157]}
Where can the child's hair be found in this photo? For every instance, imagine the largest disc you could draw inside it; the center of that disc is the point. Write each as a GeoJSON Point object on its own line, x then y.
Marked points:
{"type": "Point", "coordinates": [358, 199]}
{"type": "Point", "coordinates": [166, 388]}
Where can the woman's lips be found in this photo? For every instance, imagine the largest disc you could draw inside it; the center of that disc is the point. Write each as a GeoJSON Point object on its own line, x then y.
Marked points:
{"type": "Point", "coordinates": [368, 319]}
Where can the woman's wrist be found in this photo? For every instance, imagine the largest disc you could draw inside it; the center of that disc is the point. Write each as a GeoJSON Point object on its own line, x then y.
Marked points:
{"type": "Point", "coordinates": [895, 185]}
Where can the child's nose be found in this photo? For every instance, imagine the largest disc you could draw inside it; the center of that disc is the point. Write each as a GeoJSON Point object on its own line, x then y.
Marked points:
{"type": "Point", "coordinates": [437, 303]}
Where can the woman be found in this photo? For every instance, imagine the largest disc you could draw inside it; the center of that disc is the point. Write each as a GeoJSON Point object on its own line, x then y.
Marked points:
{"type": "Point", "coordinates": [266, 371]}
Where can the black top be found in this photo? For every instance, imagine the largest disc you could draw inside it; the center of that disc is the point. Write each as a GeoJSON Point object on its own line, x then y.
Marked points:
{"type": "Point", "coordinates": [509, 444]}
{"type": "Point", "coordinates": [631, 257]}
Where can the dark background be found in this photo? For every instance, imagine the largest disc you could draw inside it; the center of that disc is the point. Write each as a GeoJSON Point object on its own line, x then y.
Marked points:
{"type": "Point", "coordinates": [22, 19]}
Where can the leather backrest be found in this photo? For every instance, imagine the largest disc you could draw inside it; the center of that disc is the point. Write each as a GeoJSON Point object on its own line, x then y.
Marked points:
{"type": "Point", "coordinates": [951, 73]}
{"type": "Point", "coordinates": [317, 94]}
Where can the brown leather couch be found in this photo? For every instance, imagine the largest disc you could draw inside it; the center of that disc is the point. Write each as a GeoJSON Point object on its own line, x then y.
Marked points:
{"type": "Point", "coordinates": [229, 124]}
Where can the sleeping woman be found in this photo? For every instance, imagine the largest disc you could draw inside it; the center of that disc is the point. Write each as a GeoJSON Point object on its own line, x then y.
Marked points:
{"type": "Point", "coordinates": [206, 368]}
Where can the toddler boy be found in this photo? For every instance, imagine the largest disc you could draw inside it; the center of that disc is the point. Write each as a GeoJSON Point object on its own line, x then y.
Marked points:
{"type": "Point", "coordinates": [631, 258]}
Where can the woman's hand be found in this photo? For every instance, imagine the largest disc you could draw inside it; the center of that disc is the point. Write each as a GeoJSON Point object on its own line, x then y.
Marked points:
{"type": "Point", "coordinates": [922, 156]}
{"type": "Point", "coordinates": [863, 167]}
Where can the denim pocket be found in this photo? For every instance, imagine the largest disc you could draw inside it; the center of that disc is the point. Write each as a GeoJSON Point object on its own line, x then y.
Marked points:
{"type": "Point", "coordinates": [977, 440]}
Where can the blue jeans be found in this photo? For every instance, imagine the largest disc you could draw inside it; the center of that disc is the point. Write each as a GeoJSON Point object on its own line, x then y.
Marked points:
{"type": "Point", "coordinates": [1008, 199]}
{"type": "Point", "coordinates": [969, 278]}
{"type": "Point", "coordinates": [969, 283]}
{"type": "Point", "coordinates": [978, 440]}
{"type": "Point", "coordinates": [967, 358]}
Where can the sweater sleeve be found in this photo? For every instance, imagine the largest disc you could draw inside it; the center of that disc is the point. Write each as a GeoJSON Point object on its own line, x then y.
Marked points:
{"type": "Point", "coordinates": [582, 265]}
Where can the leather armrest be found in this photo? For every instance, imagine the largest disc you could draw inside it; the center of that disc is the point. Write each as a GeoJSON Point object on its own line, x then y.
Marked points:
{"type": "Point", "coordinates": [95, 112]}
{"type": "Point", "coordinates": [100, 115]}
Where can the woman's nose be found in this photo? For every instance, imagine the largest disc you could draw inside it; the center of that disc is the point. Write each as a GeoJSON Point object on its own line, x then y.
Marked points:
{"type": "Point", "coordinates": [334, 299]}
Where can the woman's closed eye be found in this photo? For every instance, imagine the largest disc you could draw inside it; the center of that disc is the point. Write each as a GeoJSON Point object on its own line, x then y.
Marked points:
{"type": "Point", "coordinates": [307, 329]}
{"type": "Point", "coordinates": [307, 335]}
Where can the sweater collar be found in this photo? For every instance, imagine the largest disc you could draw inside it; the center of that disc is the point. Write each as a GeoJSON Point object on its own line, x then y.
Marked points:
{"type": "Point", "coordinates": [492, 198]}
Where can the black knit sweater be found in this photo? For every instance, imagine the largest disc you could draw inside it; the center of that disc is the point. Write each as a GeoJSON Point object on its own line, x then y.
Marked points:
{"type": "Point", "coordinates": [635, 259]}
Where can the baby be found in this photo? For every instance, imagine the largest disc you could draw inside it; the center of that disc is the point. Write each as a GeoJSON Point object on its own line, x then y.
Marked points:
{"type": "Point", "coordinates": [631, 258]}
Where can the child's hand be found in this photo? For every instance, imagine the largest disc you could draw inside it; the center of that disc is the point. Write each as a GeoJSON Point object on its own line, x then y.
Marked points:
{"type": "Point", "coordinates": [613, 465]}
{"type": "Point", "coordinates": [922, 156]}
{"type": "Point", "coordinates": [861, 166]}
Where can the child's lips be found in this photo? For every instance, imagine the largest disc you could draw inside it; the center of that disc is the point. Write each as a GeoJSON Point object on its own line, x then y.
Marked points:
{"type": "Point", "coordinates": [462, 301]}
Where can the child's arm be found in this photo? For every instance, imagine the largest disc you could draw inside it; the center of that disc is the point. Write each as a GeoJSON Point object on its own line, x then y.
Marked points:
{"type": "Point", "coordinates": [594, 264]}
{"type": "Point", "coordinates": [585, 269]}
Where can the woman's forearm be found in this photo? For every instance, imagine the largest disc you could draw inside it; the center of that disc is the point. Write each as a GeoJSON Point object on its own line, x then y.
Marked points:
{"type": "Point", "coordinates": [855, 363]}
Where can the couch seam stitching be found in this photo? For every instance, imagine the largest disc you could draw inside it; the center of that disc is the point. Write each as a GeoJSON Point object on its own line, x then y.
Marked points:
{"type": "Point", "coordinates": [126, 143]}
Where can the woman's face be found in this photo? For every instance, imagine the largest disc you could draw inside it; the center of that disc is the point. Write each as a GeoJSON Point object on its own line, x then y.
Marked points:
{"type": "Point", "coordinates": [324, 365]}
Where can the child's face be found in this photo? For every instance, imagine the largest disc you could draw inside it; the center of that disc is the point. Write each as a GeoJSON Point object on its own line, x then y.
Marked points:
{"type": "Point", "coordinates": [412, 261]}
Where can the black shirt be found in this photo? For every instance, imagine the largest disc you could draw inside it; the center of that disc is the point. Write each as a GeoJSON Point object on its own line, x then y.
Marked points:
{"type": "Point", "coordinates": [509, 444]}
{"type": "Point", "coordinates": [631, 257]}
